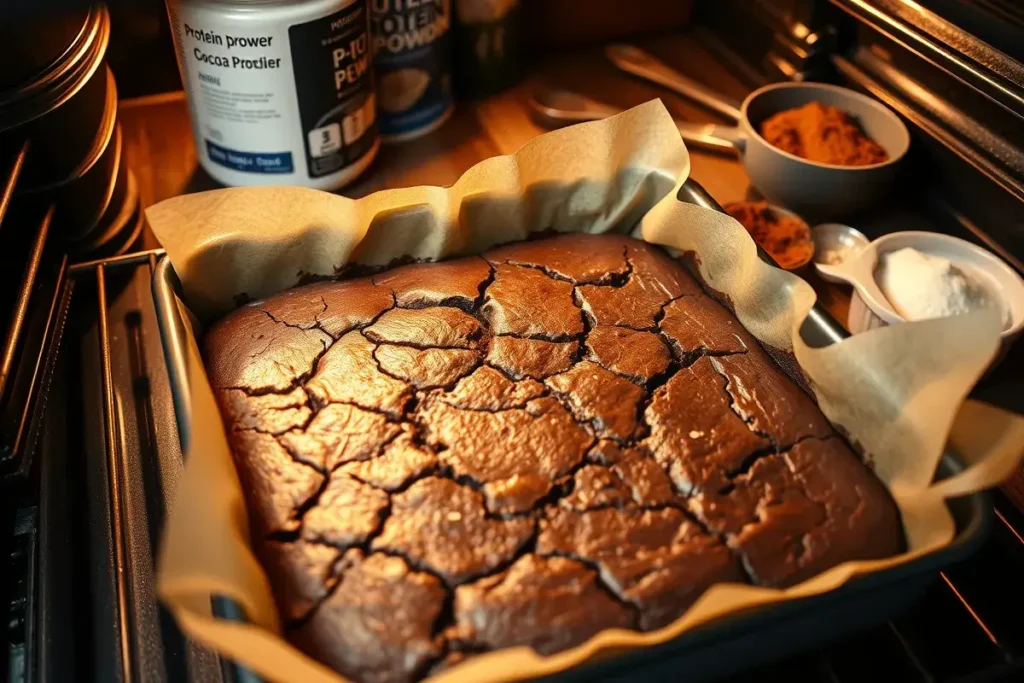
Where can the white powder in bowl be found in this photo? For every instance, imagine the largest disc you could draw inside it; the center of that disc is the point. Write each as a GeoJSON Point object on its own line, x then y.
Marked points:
{"type": "Point", "coordinates": [922, 286]}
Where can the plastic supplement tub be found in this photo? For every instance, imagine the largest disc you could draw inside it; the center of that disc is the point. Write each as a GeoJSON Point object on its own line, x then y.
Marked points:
{"type": "Point", "coordinates": [279, 92]}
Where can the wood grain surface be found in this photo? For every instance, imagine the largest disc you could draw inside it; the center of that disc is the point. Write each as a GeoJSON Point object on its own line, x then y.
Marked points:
{"type": "Point", "coordinates": [160, 149]}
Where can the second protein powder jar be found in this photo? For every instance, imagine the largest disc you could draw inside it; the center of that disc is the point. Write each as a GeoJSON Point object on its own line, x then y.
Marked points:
{"type": "Point", "coordinates": [412, 62]}
{"type": "Point", "coordinates": [280, 93]}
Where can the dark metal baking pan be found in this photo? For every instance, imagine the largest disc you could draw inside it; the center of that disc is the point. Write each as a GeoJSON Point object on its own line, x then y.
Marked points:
{"type": "Point", "coordinates": [61, 104]}
{"type": "Point", "coordinates": [734, 642]}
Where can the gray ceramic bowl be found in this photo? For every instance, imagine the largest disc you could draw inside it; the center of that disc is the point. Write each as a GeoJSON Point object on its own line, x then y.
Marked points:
{"type": "Point", "coordinates": [818, 192]}
{"type": "Point", "coordinates": [814, 190]}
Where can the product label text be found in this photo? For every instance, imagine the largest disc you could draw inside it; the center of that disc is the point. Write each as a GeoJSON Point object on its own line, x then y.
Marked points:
{"type": "Point", "coordinates": [401, 25]}
{"type": "Point", "coordinates": [351, 61]}
{"type": "Point", "coordinates": [231, 42]}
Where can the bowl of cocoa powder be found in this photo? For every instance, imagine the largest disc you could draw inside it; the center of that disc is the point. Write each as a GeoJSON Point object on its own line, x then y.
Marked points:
{"type": "Point", "coordinates": [820, 150]}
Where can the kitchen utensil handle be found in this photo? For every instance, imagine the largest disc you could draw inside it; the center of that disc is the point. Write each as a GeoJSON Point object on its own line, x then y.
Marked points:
{"type": "Point", "coordinates": [860, 273]}
{"type": "Point", "coordinates": [640, 63]}
{"type": "Point", "coordinates": [709, 136]}
{"type": "Point", "coordinates": [563, 107]}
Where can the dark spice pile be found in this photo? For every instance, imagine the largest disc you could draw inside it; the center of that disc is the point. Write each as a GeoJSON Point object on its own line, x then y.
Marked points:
{"type": "Point", "coordinates": [786, 238]}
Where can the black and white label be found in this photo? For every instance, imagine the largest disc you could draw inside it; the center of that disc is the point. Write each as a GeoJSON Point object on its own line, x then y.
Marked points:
{"type": "Point", "coordinates": [275, 100]}
{"type": "Point", "coordinates": [334, 84]}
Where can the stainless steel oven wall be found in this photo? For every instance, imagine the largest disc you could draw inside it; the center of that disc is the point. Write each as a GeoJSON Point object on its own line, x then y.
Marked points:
{"type": "Point", "coordinates": [770, 40]}
{"type": "Point", "coordinates": [962, 98]}
{"type": "Point", "coordinates": [964, 101]}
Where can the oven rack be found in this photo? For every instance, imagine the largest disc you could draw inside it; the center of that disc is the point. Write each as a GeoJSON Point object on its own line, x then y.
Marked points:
{"type": "Point", "coordinates": [30, 316]}
{"type": "Point", "coordinates": [965, 629]}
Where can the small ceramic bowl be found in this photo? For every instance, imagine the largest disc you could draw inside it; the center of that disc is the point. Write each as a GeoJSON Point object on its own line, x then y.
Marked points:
{"type": "Point", "coordinates": [814, 190]}
{"type": "Point", "coordinates": [832, 238]}
{"type": "Point", "coordinates": [869, 308]}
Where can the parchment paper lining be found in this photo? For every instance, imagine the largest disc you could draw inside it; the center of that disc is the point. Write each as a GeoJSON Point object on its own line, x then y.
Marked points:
{"type": "Point", "coordinates": [895, 390]}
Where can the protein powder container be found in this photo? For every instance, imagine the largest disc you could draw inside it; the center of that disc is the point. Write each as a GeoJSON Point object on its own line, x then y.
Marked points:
{"type": "Point", "coordinates": [280, 92]}
{"type": "Point", "coordinates": [412, 62]}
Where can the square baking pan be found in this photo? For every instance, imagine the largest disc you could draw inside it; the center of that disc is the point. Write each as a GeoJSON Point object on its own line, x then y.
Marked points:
{"type": "Point", "coordinates": [730, 644]}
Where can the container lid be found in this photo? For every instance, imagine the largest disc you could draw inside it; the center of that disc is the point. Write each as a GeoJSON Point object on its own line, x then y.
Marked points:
{"type": "Point", "coordinates": [29, 48]}
{"type": "Point", "coordinates": [63, 58]}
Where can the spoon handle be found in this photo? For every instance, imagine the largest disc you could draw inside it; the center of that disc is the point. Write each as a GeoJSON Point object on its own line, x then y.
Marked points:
{"type": "Point", "coordinates": [860, 273]}
{"type": "Point", "coordinates": [564, 107]}
{"type": "Point", "coordinates": [711, 137]}
{"type": "Point", "coordinates": [633, 60]}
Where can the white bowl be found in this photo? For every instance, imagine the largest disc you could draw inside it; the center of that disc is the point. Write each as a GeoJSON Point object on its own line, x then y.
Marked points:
{"type": "Point", "coordinates": [869, 308]}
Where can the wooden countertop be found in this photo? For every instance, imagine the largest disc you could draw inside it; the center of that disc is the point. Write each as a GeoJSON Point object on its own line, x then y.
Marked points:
{"type": "Point", "coordinates": [160, 151]}
{"type": "Point", "coordinates": [159, 146]}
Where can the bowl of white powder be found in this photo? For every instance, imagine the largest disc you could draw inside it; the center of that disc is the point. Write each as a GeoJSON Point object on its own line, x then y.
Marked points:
{"type": "Point", "coordinates": [922, 275]}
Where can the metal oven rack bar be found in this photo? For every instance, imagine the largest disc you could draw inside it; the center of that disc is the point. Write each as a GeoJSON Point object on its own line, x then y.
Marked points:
{"type": "Point", "coordinates": [117, 466]}
{"type": "Point", "coordinates": [123, 578]}
{"type": "Point", "coordinates": [30, 323]}
{"type": "Point", "coordinates": [30, 313]}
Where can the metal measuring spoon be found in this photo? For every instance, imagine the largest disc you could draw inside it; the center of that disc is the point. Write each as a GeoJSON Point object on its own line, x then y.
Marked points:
{"type": "Point", "coordinates": [633, 60]}
{"type": "Point", "coordinates": [563, 107]}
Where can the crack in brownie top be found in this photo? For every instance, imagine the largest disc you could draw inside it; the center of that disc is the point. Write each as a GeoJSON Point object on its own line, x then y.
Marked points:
{"type": "Point", "coordinates": [523, 448]}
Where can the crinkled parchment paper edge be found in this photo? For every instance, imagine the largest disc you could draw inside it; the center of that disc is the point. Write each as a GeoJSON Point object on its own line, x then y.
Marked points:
{"type": "Point", "coordinates": [896, 390]}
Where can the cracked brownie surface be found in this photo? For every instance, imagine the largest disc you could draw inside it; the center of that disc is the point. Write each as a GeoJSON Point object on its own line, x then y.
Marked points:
{"type": "Point", "coordinates": [523, 448]}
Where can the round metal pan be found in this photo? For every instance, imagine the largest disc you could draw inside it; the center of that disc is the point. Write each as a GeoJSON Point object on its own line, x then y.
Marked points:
{"type": "Point", "coordinates": [109, 204]}
{"type": "Point", "coordinates": [83, 196]}
{"type": "Point", "coordinates": [122, 226]}
{"type": "Point", "coordinates": [133, 239]}
{"type": "Point", "coordinates": [116, 193]}
{"type": "Point", "coordinates": [33, 46]}
{"type": "Point", "coordinates": [61, 104]}
{"type": "Point", "coordinates": [115, 196]}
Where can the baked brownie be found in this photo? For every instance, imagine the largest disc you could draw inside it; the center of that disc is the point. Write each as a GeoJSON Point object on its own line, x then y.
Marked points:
{"type": "Point", "coordinates": [523, 448]}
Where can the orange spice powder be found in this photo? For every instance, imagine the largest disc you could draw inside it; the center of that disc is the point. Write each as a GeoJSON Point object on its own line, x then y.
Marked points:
{"type": "Point", "coordinates": [787, 239]}
{"type": "Point", "coordinates": [821, 133]}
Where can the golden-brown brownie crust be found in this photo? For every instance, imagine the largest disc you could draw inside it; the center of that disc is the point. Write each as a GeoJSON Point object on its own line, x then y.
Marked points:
{"type": "Point", "coordinates": [523, 448]}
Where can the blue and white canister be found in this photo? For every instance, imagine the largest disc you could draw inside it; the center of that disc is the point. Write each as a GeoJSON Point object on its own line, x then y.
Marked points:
{"type": "Point", "coordinates": [280, 92]}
